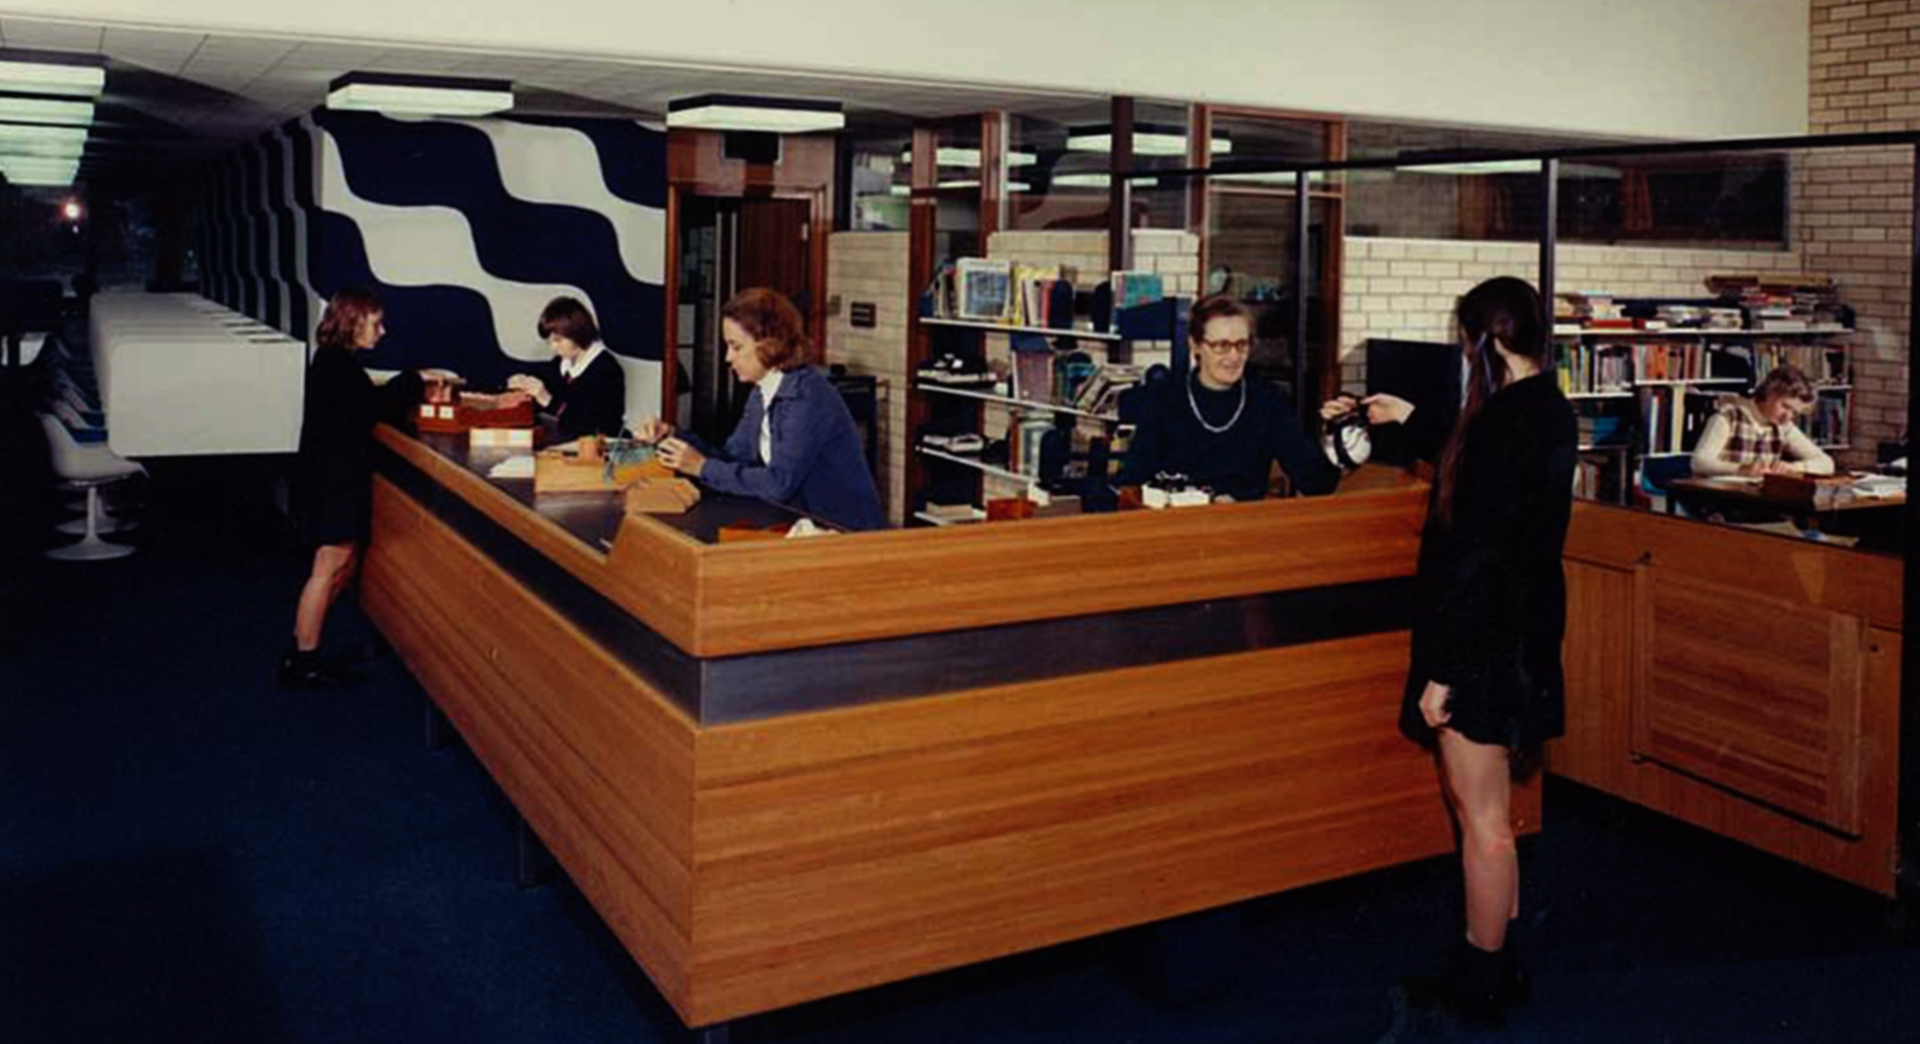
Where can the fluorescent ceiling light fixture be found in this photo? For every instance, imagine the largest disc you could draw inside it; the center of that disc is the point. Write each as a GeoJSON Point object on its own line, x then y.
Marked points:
{"type": "Point", "coordinates": [419, 95]}
{"type": "Point", "coordinates": [1148, 140]}
{"type": "Point", "coordinates": [84, 81]}
{"type": "Point", "coordinates": [35, 134]}
{"type": "Point", "coordinates": [957, 157]}
{"type": "Point", "coordinates": [54, 149]}
{"type": "Point", "coordinates": [39, 171]}
{"type": "Point", "coordinates": [1278, 178]}
{"type": "Point", "coordinates": [45, 110]}
{"type": "Point", "coordinates": [905, 190]}
{"type": "Point", "coordinates": [1100, 180]}
{"type": "Point", "coordinates": [743, 113]}
{"type": "Point", "coordinates": [1482, 167]}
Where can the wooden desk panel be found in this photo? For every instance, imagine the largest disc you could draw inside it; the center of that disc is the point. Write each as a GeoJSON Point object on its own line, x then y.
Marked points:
{"type": "Point", "coordinates": [845, 849]}
{"type": "Point", "coordinates": [725, 600]}
{"type": "Point", "coordinates": [598, 765]}
{"type": "Point", "coordinates": [1802, 572]}
{"type": "Point", "coordinates": [1745, 683]}
{"type": "Point", "coordinates": [878, 585]}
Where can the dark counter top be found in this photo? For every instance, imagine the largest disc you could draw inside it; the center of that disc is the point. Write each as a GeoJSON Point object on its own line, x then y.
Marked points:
{"type": "Point", "coordinates": [594, 518]}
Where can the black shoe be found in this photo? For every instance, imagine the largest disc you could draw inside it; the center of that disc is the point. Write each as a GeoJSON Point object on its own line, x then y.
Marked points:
{"type": "Point", "coordinates": [1476, 989]}
{"type": "Point", "coordinates": [309, 670]}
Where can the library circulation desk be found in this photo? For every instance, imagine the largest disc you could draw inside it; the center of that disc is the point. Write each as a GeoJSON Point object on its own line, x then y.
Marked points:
{"type": "Point", "coordinates": [782, 770]}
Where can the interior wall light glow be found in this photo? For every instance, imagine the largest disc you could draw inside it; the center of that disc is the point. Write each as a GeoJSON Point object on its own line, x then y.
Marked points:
{"type": "Point", "coordinates": [85, 81]}
{"type": "Point", "coordinates": [46, 110]}
{"type": "Point", "coordinates": [419, 95]}
{"type": "Point", "coordinates": [744, 113]}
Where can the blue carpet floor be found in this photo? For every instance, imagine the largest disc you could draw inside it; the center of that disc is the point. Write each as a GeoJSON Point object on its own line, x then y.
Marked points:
{"type": "Point", "coordinates": [189, 854]}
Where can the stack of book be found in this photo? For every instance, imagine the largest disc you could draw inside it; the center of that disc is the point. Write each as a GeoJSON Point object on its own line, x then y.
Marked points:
{"type": "Point", "coordinates": [1791, 303]}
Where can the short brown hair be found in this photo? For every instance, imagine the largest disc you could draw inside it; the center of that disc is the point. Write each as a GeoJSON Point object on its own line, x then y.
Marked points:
{"type": "Point", "coordinates": [570, 319]}
{"type": "Point", "coordinates": [1784, 382]}
{"type": "Point", "coordinates": [779, 334]}
{"type": "Point", "coordinates": [1216, 306]}
{"type": "Point", "coordinates": [348, 308]}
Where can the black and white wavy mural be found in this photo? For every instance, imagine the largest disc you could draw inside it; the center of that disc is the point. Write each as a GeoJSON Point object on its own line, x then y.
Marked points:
{"type": "Point", "coordinates": [467, 228]}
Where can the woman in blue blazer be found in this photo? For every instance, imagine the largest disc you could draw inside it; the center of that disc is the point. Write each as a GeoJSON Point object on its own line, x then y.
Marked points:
{"type": "Point", "coordinates": [796, 444]}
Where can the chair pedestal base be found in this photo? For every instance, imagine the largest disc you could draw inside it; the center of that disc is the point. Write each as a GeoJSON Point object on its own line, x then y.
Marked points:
{"type": "Point", "coordinates": [90, 548]}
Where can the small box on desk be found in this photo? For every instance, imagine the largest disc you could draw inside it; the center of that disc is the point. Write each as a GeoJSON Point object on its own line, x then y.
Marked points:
{"type": "Point", "coordinates": [661, 496]}
{"type": "Point", "coordinates": [618, 465]}
{"type": "Point", "coordinates": [458, 417]}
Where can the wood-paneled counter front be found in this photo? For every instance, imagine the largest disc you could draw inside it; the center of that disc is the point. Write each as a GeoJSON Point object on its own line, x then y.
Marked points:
{"type": "Point", "coordinates": [1744, 682]}
{"type": "Point", "coordinates": [782, 771]}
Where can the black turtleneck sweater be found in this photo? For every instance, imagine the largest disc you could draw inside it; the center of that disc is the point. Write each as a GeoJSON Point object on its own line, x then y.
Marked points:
{"type": "Point", "coordinates": [1237, 460]}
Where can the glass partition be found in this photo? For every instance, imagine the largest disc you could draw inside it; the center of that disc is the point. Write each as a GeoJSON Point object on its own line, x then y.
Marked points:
{"type": "Point", "coordinates": [1735, 342]}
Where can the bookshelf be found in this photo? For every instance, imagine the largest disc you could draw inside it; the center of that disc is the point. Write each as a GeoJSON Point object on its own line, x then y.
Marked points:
{"type": "Point", "coordinates": [1052, 378]}
{"type": "Point", "coordinates": [1645, 394]}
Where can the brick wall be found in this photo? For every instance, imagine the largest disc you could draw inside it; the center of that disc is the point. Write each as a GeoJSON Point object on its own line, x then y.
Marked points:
{"type": "Point", "coordinates": [871, 268]}
{"type": "Point", "coordinates": [1405, 288]}
{"type": "Point", "coordinates": [1853, 213]}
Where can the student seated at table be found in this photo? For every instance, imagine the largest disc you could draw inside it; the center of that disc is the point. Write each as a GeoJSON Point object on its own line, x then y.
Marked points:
{"type": "Point", "coordinates": [1757, 436]}
{"type": "Point", "coordinates": [1219, 428]}
{"type": "Point", "coordinates": [583, 390]}
{"type": "Point", "coordinates": [796, 444]}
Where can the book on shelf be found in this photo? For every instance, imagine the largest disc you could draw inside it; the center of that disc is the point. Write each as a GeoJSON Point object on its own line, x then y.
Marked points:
{"type": "Point", "coordinates": [1131, 288]}
{"type": "Point", "coordinates": [1830, 423]}
{"type": "Point", "coordinates": [984, 288]}
{"type": "Point", "coordinates": [1589, 369]}
{"type": "Point", "coordinates": [1671, 419]}
{"type": "Point", "coordinates": [1101, 392]}
{"type": "Point", "coordinates": [1032, 368]}
{"type": "Point", "coordinates": [1823, 364]}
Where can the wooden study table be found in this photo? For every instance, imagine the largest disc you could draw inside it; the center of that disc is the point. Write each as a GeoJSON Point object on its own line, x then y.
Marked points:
{"type": "Point", "coordinates": [1748, 493]}
{"type": "Point", "coordinates": [1874, 521]}
{"type": "Point", "coordinates": [786, 770]}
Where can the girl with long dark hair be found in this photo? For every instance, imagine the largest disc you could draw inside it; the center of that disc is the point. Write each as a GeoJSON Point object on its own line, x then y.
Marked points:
{"type": "Point", "coordinates": [1486, 690]}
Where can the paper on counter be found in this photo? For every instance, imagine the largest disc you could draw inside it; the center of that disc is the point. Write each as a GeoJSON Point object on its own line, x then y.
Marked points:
{"type": "Point", "coordinates": [518, 466]}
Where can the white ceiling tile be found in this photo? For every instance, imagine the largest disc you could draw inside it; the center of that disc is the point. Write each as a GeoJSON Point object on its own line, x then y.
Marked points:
{"type": "Point", "coordinates": [244, 50]}
{"type": "Point", "coordinates": [152, 48]}
{"type": "Point", "coordinates": [224, 75]}
{"type": "Point", "coordinates": [330, 55]}
{"type": "Point", "coordinates": [416, 60]}
{"type": "Point", "coordinates": [38, 34]}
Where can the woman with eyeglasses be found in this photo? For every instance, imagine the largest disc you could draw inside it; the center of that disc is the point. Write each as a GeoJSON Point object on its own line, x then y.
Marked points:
{"type": "Point", "coordinates": [1221, 430]}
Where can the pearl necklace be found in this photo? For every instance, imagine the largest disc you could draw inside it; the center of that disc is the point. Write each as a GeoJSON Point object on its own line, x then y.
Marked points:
{"type": "Point", "coordinates": [1194, 405]}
